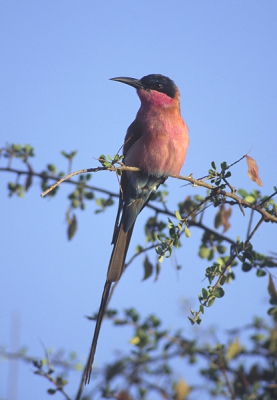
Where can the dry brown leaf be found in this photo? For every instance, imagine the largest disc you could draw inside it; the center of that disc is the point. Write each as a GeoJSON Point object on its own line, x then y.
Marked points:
{"type": "Point", "coordinates": [222, 218]}
{"type": "Point", "coordinates": [187, 205]}
{"type": "Point", "coordinates": [253, 170]}
{"type": "Point", "coordinates": [123, 395]}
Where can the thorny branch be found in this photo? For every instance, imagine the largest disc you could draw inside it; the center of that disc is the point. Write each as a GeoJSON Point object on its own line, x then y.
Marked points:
{"type": "Point", "coordinates": [195, 182]}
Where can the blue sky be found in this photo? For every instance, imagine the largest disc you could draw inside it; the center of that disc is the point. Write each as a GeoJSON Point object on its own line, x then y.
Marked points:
{"type": "Point", "coordinates": [57, 58]}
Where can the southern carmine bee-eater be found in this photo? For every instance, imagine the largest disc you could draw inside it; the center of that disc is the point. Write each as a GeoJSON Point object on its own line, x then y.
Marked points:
{"type": "Point", "coordinates": [156, 143]}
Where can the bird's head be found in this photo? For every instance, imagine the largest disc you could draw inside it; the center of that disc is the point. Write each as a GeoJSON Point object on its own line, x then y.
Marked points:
{"type": "Point", "coordinates": [154, 88]}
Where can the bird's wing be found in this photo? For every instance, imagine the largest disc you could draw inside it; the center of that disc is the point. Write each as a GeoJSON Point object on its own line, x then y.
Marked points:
{"type": "Point", "coordinates": [133, 134]}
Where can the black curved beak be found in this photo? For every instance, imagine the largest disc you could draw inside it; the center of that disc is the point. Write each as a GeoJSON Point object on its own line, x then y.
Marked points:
{"type": "Point", "coordinates": [136, 83]}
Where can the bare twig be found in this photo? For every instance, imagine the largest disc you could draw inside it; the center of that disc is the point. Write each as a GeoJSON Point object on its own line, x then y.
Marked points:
{"type": "Point", "coordinates": [83, 171]}
{"type": "Point", "coordinates": [43, 175]}
{"type": "Point", "coordinates": [250, 223]}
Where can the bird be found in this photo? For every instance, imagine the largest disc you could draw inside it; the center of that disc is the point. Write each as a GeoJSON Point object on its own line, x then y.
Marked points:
{"type": "Point", "coordinates": [156, 142]}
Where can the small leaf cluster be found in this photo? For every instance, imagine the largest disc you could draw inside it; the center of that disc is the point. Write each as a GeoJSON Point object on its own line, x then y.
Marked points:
{"type": "Point", "coordinates": [252, 197]}
{"type": "Point", "coordinates": [164, 250]}
{"type": "Point", "coordinates": [47, 175]}
{"type": "Point", "coordinates": [221, 272]}
{"type": "Point", "coordinates": [23, 152]}
{"type": "Point", "coordinates": [70, 156]}
{"type": "Point", "coordinates": [44, 369]}
{"type": "Point", "coordinates": [211, 244]}
{"type": "Point", "coordinates": [248, 257]}
{"type": "Point", "coordinates": [217, 177]}
{"type": "Point", "coordinates": [81, 193]}
{"type": "Point", "coordinates": [191, 207]}
{"type": "Point", "coordinates": [78, 198]}
{"type": "Point", "coordinates": [154, 228]}
{"type": "Point", "coordinates": [103, 203]}
{"type": "Point", "coordinates": [255, 197]}
{"type": "Point", "coordinates": [209, 294]}
{"type": "Point", "coordinates": [16, 189]}
{"type": "Point", "coordinates": [108, 162]}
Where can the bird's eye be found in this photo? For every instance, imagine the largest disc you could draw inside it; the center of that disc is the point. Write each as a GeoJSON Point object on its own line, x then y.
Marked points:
{"type": "Point", "coordinates": [158, 85]}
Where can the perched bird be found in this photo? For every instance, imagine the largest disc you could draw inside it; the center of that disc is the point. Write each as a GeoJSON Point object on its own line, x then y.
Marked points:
{"type": "Point", "coordinates": [156, 143]}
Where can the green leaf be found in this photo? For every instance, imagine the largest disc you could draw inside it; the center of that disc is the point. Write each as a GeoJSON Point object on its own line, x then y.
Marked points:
{"type": "Point", "coordinates": [187, 232]}
{"type": "Point", "coordinates": [178, 215]}
{"type": "Point", "coordinates": [246, 267]}
{"type": "Point", "coordinates": [234, 349]}
{"type": "Point", "coordinates": [12, 186]}
{"type": "Point", "coordinates": [272, 310]}
{"type": "Point", "coordinates": [148, 268]}
{"type": "Point", "coordinates": [211, 301]}
{"type": "Point", "coordinates": [159, 250]}
{"type": "Point", "coordinates": [211, 255]}
{"type": "Point", "coordinates": [218, 292]}
{"type": "Point", "coordinates": [248, 255]}
{"type": "Point", "coordinates": [250, 199]}
{"type": "Point", "coordinates": [204, 252]}
{"type": "Point", "coordinates": [28, 182]}
{"type": "Point", "coordinates": [243, 193]}
{"type": "Point", "coordinates": [72, 227]}
{"type": "Point", "coordinates": [89, 195]}
{"type": "Point", "coordinates": [221, 249]}
{"type": "Point", "coordinates": [158, 268]}
{"type": "Point", "coordinates": [172, 232]}
{"type": "Point", "coordinates": [260, 272]}
{"type": "Point", "coordinates": [75, 203]}
{"type": "Point", "coordinates": [63, 153]}
{"type": "Point", "coordinates": [17, 147]}
{"type": "Point", "coordinates": [52, 168]}
{"type": "Point", "coordinates": [114, 369]}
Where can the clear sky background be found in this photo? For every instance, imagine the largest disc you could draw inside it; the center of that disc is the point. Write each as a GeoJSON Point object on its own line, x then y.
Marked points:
{"type": "Point", "coordinates": [56, 61]}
